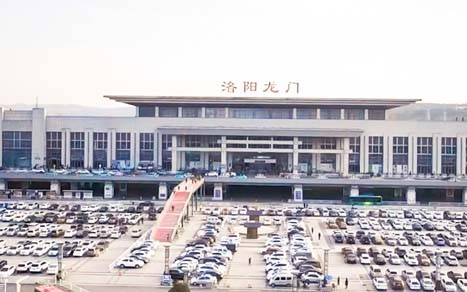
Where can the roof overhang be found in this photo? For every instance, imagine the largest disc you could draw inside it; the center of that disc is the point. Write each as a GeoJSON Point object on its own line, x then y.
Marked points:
{"type": "Point", "coordinates": [262, 101]}
{"type": "Point", "coordinates": [286, 132]}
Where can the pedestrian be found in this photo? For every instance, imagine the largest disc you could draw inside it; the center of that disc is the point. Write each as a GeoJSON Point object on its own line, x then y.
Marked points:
{"type": "Point", "coordinates": [173, 208]}
{"type": "Point", "coordinates": [346, 283]}
{"type": "Point", "coordinates": [249, 261]}
{"type": "Point", "coordinates": [319, 235]}
{"type": "Point", "coordinates": [338, 281]}
{"type": "Point", "coordinates": [168, 236]}
{"type": "Point", "coordinates": [142, 220]}
{"type": "Point", "coordinates": [312, 230]}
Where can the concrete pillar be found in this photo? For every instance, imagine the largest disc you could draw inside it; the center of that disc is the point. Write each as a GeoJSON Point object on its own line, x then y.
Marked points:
{"type": "Point", "coordinates": [230, 159]}
{"type": "Point", "coordinates": [354, 191]}
{"type": "Point", "coordinates": [1, 131]}
{"type": "Point", "coordinates": [411, 196]}
{"type": "Point", "coordinates": [463, 152]}
{"type": "Point", "coordinates": [86, 149]}
{"type": "Point", "coordinates": [108, 190]}
{"type": "Point", "coordinates": [218, 195]}
{"type": "Point", "coordinates": [295, 155]}
{"type": "Point", "coordinates": [113, 144]}
{"type": "Point", "coordinates": [63, 148]}
{"type": "Point", "coordinates": [459, 147]}
{"type": "Point", "coordinates": [390, 157]}
{"type": "Point", "coordinates": [55, 187]}
{"type": "Point", "coordinates": [3, 185]}
{"type": "Point", "coordinates": [132, 150]}
{"type": "Point", "coordinates": [174, 153]}
{"type": "Point", "coordinates": [68, 148]}
{"type": "Point", "coordinates": [294, 113]}
{"type": "Point", "coordinates": [345, 156]}
{"type": "Point", "coordinates": [318, 114]}
{"type": "Point", "coordinates": [136, 148]}
{"type": "Point", "coordinates": [159, 149]}
{"type": "Point", "coordinates": [38, 146]}
{"type": "Point", "coordinates": [365, 156]}
{"type": "Point", "coordinates": [413, 157]}
{"type": "Point", "coordinates": [162, 191]}
{"type": "Point", "coordinates": [297, 193]}
{"type": "Point", "coordinates": [91, 148]}
{"type": "Point", "coordinates": [223, 154]}
{"type": "Point", "coordinates": [366, 114]}
{"type": "Point", "coordinates": [386, 154]}
{"type": "Point", "coordinates": [109, 149]}
{"type": "Point", "coordinates": [464, 196]}
{"type": "Point", "coordinates": [437, 154]}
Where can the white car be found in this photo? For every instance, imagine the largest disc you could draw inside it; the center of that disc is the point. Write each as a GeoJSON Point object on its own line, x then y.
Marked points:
{"type": "Point", "coordinates": [462, 241]}
{"type": "Point", "coordinates": [27, 250]}
{"type": "Point", "coordinates": [70, 233]}
{"type": "Point", "coordinates": [411, 260]}
{"type": "Point", "coordinates": [394, 259]}
{"type": "Point", "coordinates": [462, 283]}
{"type": "Point", "coordinates": [413, 283]}
{"type": "Point", "coordinates": [427, 241]}
{"type": "Point", "coordinates": [41, 250]}
{"type": "Point", "coordinates": [3, 249]}
{"type": "Point", "coordinates": [136, 232]}
{"type": "Point", "coordinates": [380, 284]}
{"type": "Point", "coordinates": [7, 271]}
{"type": "Point", "coordinates": [365, 259]}
{"type": "Point", "coordinates": [23, 267]}
{"type": "Point", "coordinates": [448, 285]}
{"type": "Point", "coordinates": [130, 263]}
{"type": "Point", "coordinates": [53, 269]}
{"type": "Point", "coordinates": [39, 267]}
{"type": "Point", "coordinates": [14, 249]}
{"type": "Point", "coordinates": [44, 206]}
{"type": "Point", "coordinates": [115, 234]}
{"type": "Point", "coordinates": [402, 241]}
{"type": "Point", "coordinates": [427, 284]}
{"type": "Point", "coordinates": [79, 251]}
{"type": "Point", "coordinates": [203, 280]}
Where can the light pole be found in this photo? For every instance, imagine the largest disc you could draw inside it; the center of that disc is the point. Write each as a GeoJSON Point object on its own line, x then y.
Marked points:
{"type": "Point", "coordinates": [59, 275]}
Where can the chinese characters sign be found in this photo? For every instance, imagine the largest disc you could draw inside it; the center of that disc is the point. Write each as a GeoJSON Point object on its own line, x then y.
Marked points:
{"type": "Point", "coordinates": [267, 87]}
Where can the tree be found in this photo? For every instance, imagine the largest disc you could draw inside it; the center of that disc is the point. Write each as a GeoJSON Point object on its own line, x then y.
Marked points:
{"type": "Point", "coordinates": [180, 286]}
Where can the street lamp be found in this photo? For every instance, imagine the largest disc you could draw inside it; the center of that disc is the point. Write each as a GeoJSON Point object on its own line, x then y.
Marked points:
{"type": "Point", "coordinates": [59, 275]}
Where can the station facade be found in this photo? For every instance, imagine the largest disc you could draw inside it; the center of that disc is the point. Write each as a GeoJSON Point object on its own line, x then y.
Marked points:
{"type": "Point", "coordinates": [266, 136]}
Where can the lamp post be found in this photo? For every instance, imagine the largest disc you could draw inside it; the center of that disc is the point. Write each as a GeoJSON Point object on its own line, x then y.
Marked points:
{"type": "Point", "coordinates": [59, 275]}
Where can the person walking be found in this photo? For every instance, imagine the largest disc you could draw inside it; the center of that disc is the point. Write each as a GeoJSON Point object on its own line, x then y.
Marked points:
{"type": "Point", "coordinates": [173, 208]}
{"type": "Point", "coordinates": [338, 281]}
{"type": "Point", "coordinates": [249, 261]}
{"type": "Point", "coordinates": [312, 230]}
{"type": "Point", "coordinates": [346, 283]}
{"type": "Point", "coordinates": [319, 235]}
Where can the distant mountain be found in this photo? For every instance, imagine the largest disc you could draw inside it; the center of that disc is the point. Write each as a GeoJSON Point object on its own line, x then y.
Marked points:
{"type": "Point", "coordinates": [76, 110]}
{"type": "Point", "coordinates": [418, 111]}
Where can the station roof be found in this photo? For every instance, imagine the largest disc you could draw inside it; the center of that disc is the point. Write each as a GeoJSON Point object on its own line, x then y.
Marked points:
{"type": "Point", "coordinates": [263, 101]}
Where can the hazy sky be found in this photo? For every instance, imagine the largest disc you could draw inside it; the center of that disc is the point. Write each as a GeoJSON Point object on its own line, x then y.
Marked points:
{"type": "Point", "coordinates": [77, 51]}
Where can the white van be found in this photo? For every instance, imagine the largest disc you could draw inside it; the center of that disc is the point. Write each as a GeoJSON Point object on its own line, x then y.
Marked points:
{"type": "Point", "coordinates": [281, 280]}
{"type": "Point", "coordinates": [214, 220]}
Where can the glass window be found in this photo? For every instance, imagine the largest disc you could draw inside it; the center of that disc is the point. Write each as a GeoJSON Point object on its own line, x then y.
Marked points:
{"type": "Point", "coordinates": [330, 114]}
{"type": "Point", "coordinates": [168, 111]}
{"type": "Point", "coordinates": [400, 156]}
{"type": "Point", "coordinates": [16, 149]}
{"type": "Point", "coordinates": [448, 155]}
{"type": "Point", "coordinates": [166, 152]}
{"type": "Point", "coordinates": [146, 111]}
{"type": "Point", "coordinates": [424, 155]}
{"type": "Point", "coordinates": [354, 114]}
{"type": "Point", "coordinates": [260, 113]}
{"type": "Point", "coordinates": [146, 146]}
{"type": "Point", "coordinates": [307, 113]}
{"type": "Point", "coordinates": [99, 149]}
{"type": "Point", "coordinates": [307, 143]}
{"type": "Point", "coordinates": [54, 149]}
{"type": "Point", "coordinates": [191, 112]}
{"type": "Point", "coordinates": [215, 112]}
{"type": "Point", "coordinates": [123, 146]}
{"type": "Point", "coordinates": [77, 149]}
{"type": "Point", "coordinates": [328, 143]}
{"type": "Point", "coordinates": [375, 154]}
{"type": "Point", "coordinates": [376, 114]}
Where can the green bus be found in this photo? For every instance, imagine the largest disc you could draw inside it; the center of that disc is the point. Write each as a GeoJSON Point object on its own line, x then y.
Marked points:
{"type": "Point", "coordinates": [366, 200]}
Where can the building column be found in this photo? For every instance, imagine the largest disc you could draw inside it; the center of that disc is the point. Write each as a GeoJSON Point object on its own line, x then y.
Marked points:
{"type": "Point", "coordinates": [38, 139]}
{"type": "Point", "coordinates": [223, 154]}
{"type": "Point", "coordinates": [463, 151]}
{"type": "Point", "coordinates": [108, 190]}
{"type": "Point", "coordinates": [113, 144]}
{"type": "Point", "coordinates": [68, 148]}
{"type": "Point", "coordinates": [174, 153]}
{"type": "Point", "coordinates": [411, 196]}
{"type": "Point", "coordinates": [3, 182]}
{"type": "Point", "coordinates": [365, 154]}
{"type": "Point", "coordinates": [63, 149]}
{"type": "Point", "coordinates": [159, 149]}
{"type": "Point", "coordinates": [91, 148]}
{"type": "Point", "coordinates": [297, 193]}
{"type": "Point", "coordinates": [137, 148]}
{"type": "Point", "coordinates": [387, 154]}
{"type": "Point", "coordinates": [345, 156]}
{"type": "Point", "coordinates": [354, 191]}
{"type": "Point", "coordinates": [1, 140]}
{"type": "Point", "coordinates": [390, 160]}
{"type": "Point", "coordinates": [464, 196]}
{"type": "Point", "coordinates": [86, 148]}
{"type": "Point", "coordinates": [132, 150]}
{"type": "Point", "coordinates": [413, 158]}
{"type": "Point", "coordinates": [218, 192]}
{"type": "Point", "coordinates": [109, 149]}
{"type": "Point", "coordinates": [459, 147]}
{"type": "Point", "coordinates": [295, 155]}
{"type": "Point", "coordinates": [162, 191]}
{"type": "Point", "coordinates": [437, 155]}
